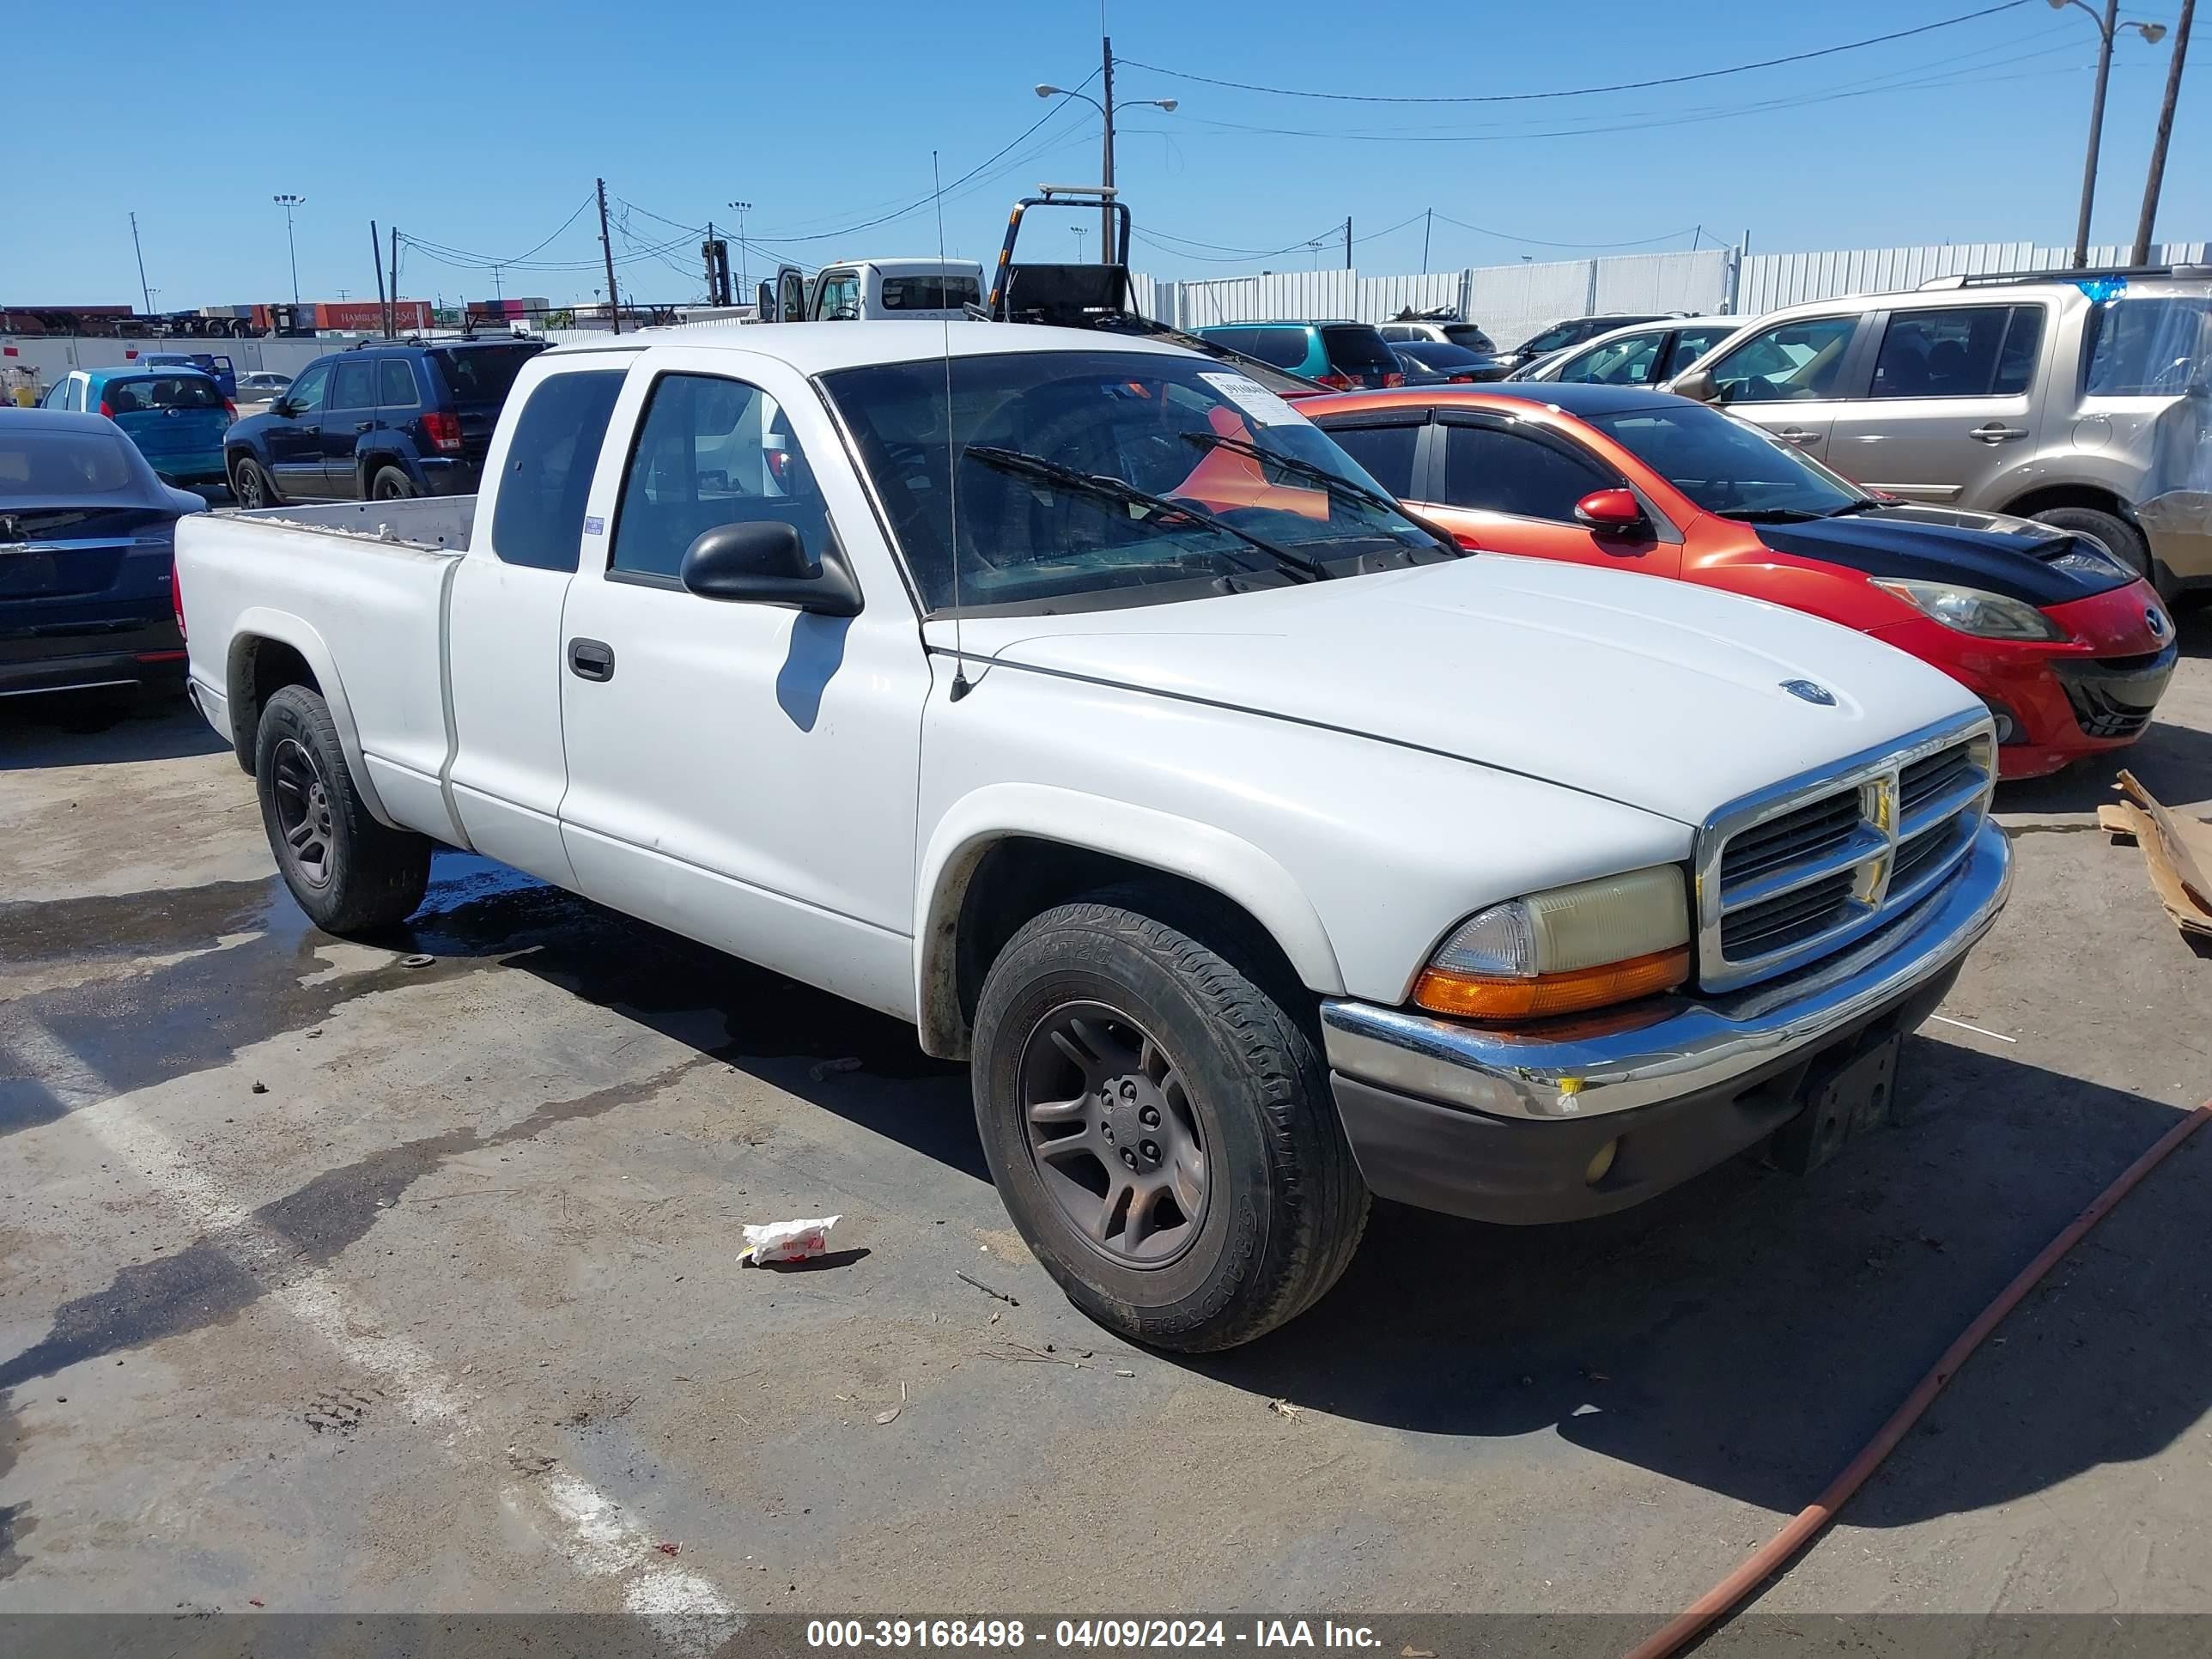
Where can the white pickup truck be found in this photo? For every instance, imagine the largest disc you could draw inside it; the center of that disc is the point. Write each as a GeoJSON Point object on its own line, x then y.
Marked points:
{"type": "Point", "coordinates": [1079, 700]}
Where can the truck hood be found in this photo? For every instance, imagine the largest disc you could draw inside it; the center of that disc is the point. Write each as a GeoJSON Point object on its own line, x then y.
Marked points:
{"type": "Point", "coordinates": [1655, 694]}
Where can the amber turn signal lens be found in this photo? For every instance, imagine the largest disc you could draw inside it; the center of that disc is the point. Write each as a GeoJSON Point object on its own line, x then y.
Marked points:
{"type": "Point", "coordinates": [1472, 997]}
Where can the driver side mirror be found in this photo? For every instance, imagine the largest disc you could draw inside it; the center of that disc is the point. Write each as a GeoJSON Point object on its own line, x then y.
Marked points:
{"type": "Point", "coordinates": [1612, 512]}
{"type": "Point", "coordinates": [1698, 386]}
{"type": "Point", "coordinates": [765, 564]}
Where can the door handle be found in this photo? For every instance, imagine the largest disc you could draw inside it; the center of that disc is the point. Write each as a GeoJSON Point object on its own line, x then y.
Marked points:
{"type": "Point", "coordinates": [362, 426]}
{"type": "Point", "coordinates": [1997, 433]}
{"type": "Point", "coordinates": [1797, 435]}
{"type": "Point", "coordinates": [311, 431]}
{"type": "Point", "coordinates": [591, 659]}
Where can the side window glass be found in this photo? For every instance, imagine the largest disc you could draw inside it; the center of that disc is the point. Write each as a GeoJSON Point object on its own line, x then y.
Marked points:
{"type": "Point", "coordinates": [2016, 357]}
{"type": "Point", "coordinates": [841, 297]}
{"type": "Point", "coordinates": [1385, 454]}
{"type": "Point", "coordinates": [354, 386]}
{"type": "Point", "coordinates": [1941, 353]}
{"type": "Point", "coordinates": [1617, 362]}
{"type": "Point", "coordinates": [710, 451]}
{"type": "Point", "coordinates": [395, 386]}
{"type": "Point", "coordinates": [1795, 361]}
{"type": "Point", "coordinates": [539, 516]}
{"type": "Point", "coordinates": [1501, 471]}
{"type": "Point", "coordinates": [1693, 344]}
{"type": "Point", "coordinates": [307, 392]}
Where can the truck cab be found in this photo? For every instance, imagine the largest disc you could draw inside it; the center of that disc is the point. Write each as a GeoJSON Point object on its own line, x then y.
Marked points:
{"type": "Point", "coordinates": [863, 290]}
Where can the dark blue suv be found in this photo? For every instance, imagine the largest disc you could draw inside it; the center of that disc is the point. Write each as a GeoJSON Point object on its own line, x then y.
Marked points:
{"type": "Point", "coordinates": [381, 421]}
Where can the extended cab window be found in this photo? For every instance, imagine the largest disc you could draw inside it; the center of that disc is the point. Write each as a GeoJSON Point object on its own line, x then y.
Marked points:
{"type": "Point", "coordinates": [395, 386]}
{"type": "Point", "coordinates": [710, 451]}
{"type": "Point", "coordinates": [1791, 362]}
{"type": "Point", "coordinates": [539, 516]}
{"type": "Point", "coordinates": [1385, 454]}
{"type": "Point", "coordinates": [1968, 351]}
{"type": "Point", "coordinates": [930, 292]}
{"type": "Point", "coordinates": [1491, 470]}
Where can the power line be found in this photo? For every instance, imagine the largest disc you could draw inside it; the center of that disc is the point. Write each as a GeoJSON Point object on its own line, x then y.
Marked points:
{"type": "Point", "coordinates": [1583, 92]}
{"type": "Point", "coordinates": [1538, 241]}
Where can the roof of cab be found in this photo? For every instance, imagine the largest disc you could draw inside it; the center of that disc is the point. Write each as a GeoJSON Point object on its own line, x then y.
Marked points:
{"type": "Point", "coordinates": [817, 348]}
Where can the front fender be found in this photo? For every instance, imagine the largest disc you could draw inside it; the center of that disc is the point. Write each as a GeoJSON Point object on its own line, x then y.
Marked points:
{"type": "Point", "coordinates": [1176, 846]}
{"type": "Point", "coordinates": [262, 622]}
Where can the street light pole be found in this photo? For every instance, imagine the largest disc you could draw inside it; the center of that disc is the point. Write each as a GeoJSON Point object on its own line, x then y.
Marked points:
{"type": "Point", "coordinates": [741, 208]}
{"type": "Point", "coordinates": [2108, 25]}
{"type": "Point", "coordinates": [287, 202]}
{"type": "Point", "coordinates": [1106, 249]}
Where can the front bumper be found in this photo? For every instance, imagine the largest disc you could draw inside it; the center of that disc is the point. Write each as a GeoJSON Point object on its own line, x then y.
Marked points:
{"type": "Point", "coordinates": [1504, 1126]}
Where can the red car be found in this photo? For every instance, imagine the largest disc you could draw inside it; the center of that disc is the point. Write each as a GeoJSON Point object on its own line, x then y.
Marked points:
{"type": "Point", "coordinates": [2069, 647]}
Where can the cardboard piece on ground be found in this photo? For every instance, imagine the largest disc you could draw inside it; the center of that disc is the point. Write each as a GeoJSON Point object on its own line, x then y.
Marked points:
{"type": "Point", "coordinates": [2177, 852]}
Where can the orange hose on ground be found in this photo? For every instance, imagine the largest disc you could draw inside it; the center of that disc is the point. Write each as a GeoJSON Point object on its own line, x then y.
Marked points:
{"type": "Point", "coordinates": [1775, 1554]}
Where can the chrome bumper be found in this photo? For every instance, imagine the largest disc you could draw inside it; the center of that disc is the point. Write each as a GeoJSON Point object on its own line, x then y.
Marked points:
{"type": "Point", "coordinates": [1677, 1046]}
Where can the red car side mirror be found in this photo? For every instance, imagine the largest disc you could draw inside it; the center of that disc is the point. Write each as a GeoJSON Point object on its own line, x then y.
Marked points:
{"type": "Point", "coordinates": [1614, 511]}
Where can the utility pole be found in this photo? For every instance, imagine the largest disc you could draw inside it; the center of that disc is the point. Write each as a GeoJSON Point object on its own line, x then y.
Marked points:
{"type": "Point", "coordinates": [1348, 241]}
{"type": "Point", "coordinates": [1106, 107]}
{"type": "Point", "coordinates": [607, 247]}
{"type": "Point", "coordinates": [395, 279]}
{"type": "Point", "coordinates": [147, 292]}
{"type": "Point", "coordinates": [2156, 177]}
{"type": "Point", "coordinates": [2109, 22]}
{"type": "Point", "coordinates": [383, 296]}
{"type": "Point", "coordinates": [714, 296]}
{"type": "Point", "coordinates": [1428, 216]}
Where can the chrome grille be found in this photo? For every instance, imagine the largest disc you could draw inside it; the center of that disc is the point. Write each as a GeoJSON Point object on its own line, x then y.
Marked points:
{"type": "Point", "coordinates": [1794, 872]}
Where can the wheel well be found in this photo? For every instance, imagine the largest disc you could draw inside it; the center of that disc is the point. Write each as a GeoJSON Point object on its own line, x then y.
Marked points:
{"type": "Point", "coordinates": [1019, 876]}
{"type": "Point", "coordinates": [2088, 496]}
{"type": "Point", "coordinates": [370, 463]}
{"type": "Point", "coordinates": [259, 668]}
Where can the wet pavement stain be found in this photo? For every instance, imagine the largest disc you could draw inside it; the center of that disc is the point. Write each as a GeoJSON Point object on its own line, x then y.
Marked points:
{"type": "Point", "coordinates": [144, 1303]}
{"type": "Point", "coordinates": [133, 924]}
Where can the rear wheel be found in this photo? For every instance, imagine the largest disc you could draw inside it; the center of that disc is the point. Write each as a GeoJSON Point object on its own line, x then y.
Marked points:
{"type": "Point", "coordinates": [250, 485]}
{"type": "Point", "coordinates": [1160, 1127]}
{"type": "Point", "coordinates": [350, 873]}
{"type": "Point", "coordinates": [2118, 536]}
{"type": "Point", "coordinates": [391, 484]}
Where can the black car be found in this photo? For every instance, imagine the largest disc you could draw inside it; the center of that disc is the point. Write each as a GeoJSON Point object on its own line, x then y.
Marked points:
{"type": "Point", "coordinates": [87, 559]}
{"type": "Point", "coordinates": [384, 420]}
{"type": "Point", "coordinates": [1432, 362]}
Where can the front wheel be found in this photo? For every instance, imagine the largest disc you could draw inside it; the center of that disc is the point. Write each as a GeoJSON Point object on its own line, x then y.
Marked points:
{"type": "Point", "coordinates": [1160, 1127]}
{"type": "Point", "coordinates": [349, 873]}
{"type": "Point", "coordinates": [250, 484]}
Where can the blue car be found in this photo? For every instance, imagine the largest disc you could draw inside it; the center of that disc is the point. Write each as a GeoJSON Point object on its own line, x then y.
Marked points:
{"type": "Point", "coordinates": [86, 560]}
{"type": "Point", "coordinates": [177, 416]}
{"type": "Point", "coordinates": [381, 421]}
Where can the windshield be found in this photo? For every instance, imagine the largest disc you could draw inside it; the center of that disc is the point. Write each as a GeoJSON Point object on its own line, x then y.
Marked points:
{"type": "Point", "coordinates": [1726, 465]}
{"type": "Point", "coordinates": [1170, 427]}
{"type": "Point", "coordinates": [1559, 335]}
{"type": "Point", "coordinates": [63, 464]}
{"type": "Point", "coordinates": [2149, 345]}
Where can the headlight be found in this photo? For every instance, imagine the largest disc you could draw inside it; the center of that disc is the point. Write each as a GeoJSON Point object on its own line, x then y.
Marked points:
{"type": "Point", "coordinates": [1565, 949]}
{"type": "Point", "coordinates": [1971, 610]}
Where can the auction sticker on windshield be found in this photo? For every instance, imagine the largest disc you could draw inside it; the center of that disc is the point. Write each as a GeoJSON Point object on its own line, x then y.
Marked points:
{"type": "Point", "coordinates": [1255, 400]}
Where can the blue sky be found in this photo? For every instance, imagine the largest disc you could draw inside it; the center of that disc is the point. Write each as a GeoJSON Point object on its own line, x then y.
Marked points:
{"type": "Point", "coordinates": [1966, 133]}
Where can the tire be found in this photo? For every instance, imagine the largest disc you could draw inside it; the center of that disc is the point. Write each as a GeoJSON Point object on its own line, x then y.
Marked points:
{"type": "Point", "coordinates": [350, 873]}
{"type": "Point", "coordinates": [391, 484]}
{"type": "Point", "coordinates": [1231, 1242]}
{"type": "Point", "coordinates": [251, 486]}
{"type": "Point", "coordinates": [2120, 538]}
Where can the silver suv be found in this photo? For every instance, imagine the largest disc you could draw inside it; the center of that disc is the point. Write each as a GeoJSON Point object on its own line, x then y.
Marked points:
{"type": "Point", "coordinates": [2083, 400]}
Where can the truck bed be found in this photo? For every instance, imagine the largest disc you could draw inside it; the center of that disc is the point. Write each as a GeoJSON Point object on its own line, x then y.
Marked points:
{"type": "Point", "coordinates": [429, 522]}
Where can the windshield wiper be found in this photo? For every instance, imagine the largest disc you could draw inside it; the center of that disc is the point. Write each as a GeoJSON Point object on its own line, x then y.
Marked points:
{"type": "Point", "coordinates": [1163, 510]}
{"type": "Point", "coordinates": [1868, 505]}
{"type": "Point", "coordinates": [1774, 515]}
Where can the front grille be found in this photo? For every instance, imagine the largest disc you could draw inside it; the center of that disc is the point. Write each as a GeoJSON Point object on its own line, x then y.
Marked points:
{"type": "Point", "coordinates": [1776, 923]}
{"type": "Point", "coordinates": [1796, 836]}
{"type": "Point", "coordinates": [2113, 696]}
{"type": "Point", "coordinates": [1788, 876]}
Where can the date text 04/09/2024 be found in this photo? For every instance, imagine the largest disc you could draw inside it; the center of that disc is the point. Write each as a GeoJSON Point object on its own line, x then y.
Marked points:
{"type": "Point", "coordinates": [1109, 1634]}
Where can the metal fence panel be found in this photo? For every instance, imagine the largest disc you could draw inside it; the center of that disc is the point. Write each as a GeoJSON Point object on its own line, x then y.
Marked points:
{"type": "Point", "coordinates": [1696, 280]}
{"type": "Point", "coordinates": [1772, 279]}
